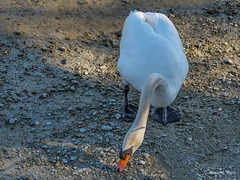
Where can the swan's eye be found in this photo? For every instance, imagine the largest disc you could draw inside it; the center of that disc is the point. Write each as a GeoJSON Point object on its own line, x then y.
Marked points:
{"type": "Point", "coordinates": [122, 154]}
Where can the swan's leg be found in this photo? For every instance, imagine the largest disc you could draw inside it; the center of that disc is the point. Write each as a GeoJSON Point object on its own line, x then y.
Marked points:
{"type": "Point", "coordinates": [129, 111]}
{"type": "Point", "coordinates": [165, 115]}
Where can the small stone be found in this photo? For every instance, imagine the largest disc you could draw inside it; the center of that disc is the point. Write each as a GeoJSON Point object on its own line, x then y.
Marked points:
{"type": "Point", "coordinates": [101, 154]}
{"type": "Point", "coordinates": [12, 121]}
{"type": "Point", "coordinates": [82, 170]}
{"type": "Point", "coordinates": [146, 155]}
{"type": "Point", "coordinates": [106, 128]}
{"type": "Point", "coordinates": [64, 61]}
{"type": "Point", "coordinates": [74, 82]}
{"type": "Point", "coordinates": [198, 45]}
{"type": "Point", "coordinates": [1, 105]}
{"type": "Point", "coordinates": [118, 116]}
{"type": "Point", "coordinates": [219, 109]}
{"type": "Point", "coordinates": [229, 61]}
{"type": "Point", "coordinates": [142, 171]}
{"type": "Point", "coordinates": [141, 162]}
{"type": "Point", "coordinates": [103, 67]}
{"type": "Point", "coordinates": [45, 146]}
{"type": "Point", "coordinates": [37, 123]}
{"type": "Point", "coordinates": [43, 96]}
{"type": "Point", "coordinates": [65, 161]}
{"type": "Point", "coordinates": [73, 158]}
{"type": "Point", "coordinates": [70, 109]}
{"type": "Point", "coordinates": [78, 73]}
{"type": "Point", "coordinates": [64, 49]}
{"type": "Point", "coordinates": [48, 123]}
{"type": "Point", "coordinates": [82, 130]}
{"type": "Point", "coordinates": [57, 164]}
{"type": "Point", "coordinates": [18, 32]}
{"type": "Point", "coordinates": [72, 88]}
{"type": "Point", "coordinates": [126, 1]}
{"type": "Point", "coordinates": [115, 45]}
{"type": "Point", "coordinates": [68, 145]}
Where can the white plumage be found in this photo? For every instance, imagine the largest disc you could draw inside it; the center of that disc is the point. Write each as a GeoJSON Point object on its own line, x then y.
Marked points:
{"type": "Point", "coordinates": [150, 44]}
{"type": "Point", "coordinates": [152, 60]}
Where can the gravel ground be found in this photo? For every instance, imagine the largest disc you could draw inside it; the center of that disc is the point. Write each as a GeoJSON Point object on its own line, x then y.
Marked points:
{"type": "Point", "coordinates": [61, 93]}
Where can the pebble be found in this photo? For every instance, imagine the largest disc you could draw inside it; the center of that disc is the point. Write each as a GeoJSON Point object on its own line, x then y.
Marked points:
{"type": "Point", "coordinates": [73, 158]}
{"type": "Point", "coordinates": [72, 88]}
{"type": "Point", "coordinates": [118, 116]}
{"type": "Point", "coordinates": [65, 161]}
{"type": "Point", "coordinates": [48, 123]}
{"type": "Point", "coordinates": [57, 164]}
{"type": "Point", "coordinates": [229, 61]}
{"type": "Point", "coordinates": [1, 105]}
{"type": "Point", "coordinates": [126, 1]}
{"type": "Point", "coordinates": [83, 169]}
{"type": "Point", "coordinates": [45, 146]}
{"type": "Point", "coordinates": [12, 121]}
{"type": "Point", "coordinates": [82, 130]}
{"type": "Point", "coordinates": [106, 128]}
{"type": "Point", "coordinates": [146, 155]}
{"type": "Point", "coordinates": [64, 61]}
{"type": "Point", "coordinates": [141, 162]}
{"type": "Point", "coordinates": [103, 67]}
{"type": "Point", "coordinates": [186, 97]}
{"type": "Point", "coordinates": [18, 32]}
{"type": "Point", "coordinates": [63, 49]}
{"type": "Point", "coordinates": [68, 145]}
{"type": "Point", "coordinates": [37, 123]}
{"type": "Point", "coordinates": [142, 171]}
{"type": "Point", "coordinates": [229, 82]}
{"type": "Point", "coordinates": [74, 82]}
{"type": "Point", "coordinates": [164, 135]}
{"type": "Point", "coordinates": [78, 73]}
{"type": "Point", "coordinates": [43, 96]}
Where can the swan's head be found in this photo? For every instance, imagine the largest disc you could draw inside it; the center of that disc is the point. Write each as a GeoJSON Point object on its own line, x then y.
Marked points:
{"type": "Point", "coordinates": [131, 143]}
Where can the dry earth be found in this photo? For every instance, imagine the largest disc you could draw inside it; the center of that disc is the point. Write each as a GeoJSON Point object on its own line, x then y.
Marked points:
{"type": "Point", "coordinates": [61, 93]}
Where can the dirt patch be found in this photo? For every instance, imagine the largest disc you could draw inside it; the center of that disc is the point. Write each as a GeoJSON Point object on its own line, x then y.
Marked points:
{"type": "Point", "coordinates": [61, 93]}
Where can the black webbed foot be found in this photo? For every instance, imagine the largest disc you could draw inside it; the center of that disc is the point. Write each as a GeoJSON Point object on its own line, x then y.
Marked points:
{"type": "Point", "coordinates": [165, 115]}
{"type": "Point", "coordinates": [129, 113]}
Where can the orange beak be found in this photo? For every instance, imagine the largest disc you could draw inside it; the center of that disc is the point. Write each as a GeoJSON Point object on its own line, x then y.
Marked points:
{"type": "Point", "coordinates": [122, 163]}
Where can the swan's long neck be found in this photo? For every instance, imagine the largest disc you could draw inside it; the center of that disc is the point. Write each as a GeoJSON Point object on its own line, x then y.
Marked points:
{"type": "Point", "coordinates": [154, 80]}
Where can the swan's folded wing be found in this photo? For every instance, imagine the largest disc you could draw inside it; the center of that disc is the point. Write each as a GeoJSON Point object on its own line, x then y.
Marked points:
{"type": "Point", "coordinates": [150, 44]}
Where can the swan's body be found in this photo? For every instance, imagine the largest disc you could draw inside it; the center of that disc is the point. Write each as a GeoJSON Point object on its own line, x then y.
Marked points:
{"type": "Point", "coordinates": [152, 60]}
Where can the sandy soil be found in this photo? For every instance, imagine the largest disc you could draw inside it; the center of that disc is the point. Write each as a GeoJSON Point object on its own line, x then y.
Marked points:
{"type": "Point", "coordinates": [61, 93]}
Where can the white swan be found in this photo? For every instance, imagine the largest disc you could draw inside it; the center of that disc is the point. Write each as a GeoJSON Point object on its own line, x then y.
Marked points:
{"type": "Point", "coordinates": [152, 60]}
